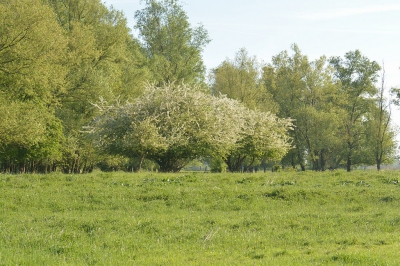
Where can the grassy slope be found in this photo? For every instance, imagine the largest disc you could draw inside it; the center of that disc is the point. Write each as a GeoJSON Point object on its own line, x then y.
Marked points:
{"type": "Point", "coordinates": [330, 218]}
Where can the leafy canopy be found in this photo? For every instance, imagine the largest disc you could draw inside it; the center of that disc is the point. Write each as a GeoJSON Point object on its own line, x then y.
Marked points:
{"type": "Point", "coordinates": [172, 125]}
{"type": "Point", "coordinates": [172, 46]}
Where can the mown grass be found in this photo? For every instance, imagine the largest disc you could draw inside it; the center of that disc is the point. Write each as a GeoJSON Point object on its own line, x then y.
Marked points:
{"type": "Point", "coordinates": [311, 218]}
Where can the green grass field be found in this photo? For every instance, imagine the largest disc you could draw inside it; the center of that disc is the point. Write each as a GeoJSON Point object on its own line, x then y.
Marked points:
{"type": "Point", "coordinates": [297, 218]}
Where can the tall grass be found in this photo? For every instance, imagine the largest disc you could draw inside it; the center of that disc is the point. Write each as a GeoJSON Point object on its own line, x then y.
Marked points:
{"type": "Point", "coordinates": [308, 218]}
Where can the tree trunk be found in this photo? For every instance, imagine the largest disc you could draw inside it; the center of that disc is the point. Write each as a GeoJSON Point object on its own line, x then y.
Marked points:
{"type": "Point", "coordinates": [303, 167]}
{"type": "Point", "coordinates": [140, 164]}
{"type": "Point", "coordinates": [292, 162]}
{"type": "Point", "coordinates": [234, 163]}
{"type": "Point", "coordinates": [171, 165]}
{"type": "Point", "coordinates": [315, 161]}
{"type": "Point", "coordinates": [348, 166]}
{"type": "Point", "coordinates": [323, 160]}
{"type": "Point", "coordinates": [378, 164]}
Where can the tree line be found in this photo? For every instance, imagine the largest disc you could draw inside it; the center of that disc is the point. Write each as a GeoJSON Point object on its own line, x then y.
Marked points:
{"type": "Point", "coordinates": [78, 90]}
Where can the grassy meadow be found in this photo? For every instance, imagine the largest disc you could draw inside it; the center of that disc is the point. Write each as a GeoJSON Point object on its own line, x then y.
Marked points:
{"type": "Point", "coordinates": [286, 218]}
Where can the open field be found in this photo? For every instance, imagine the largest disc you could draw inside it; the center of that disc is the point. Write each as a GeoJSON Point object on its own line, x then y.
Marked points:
{"type": "Point", "coordinates": [311, 218]}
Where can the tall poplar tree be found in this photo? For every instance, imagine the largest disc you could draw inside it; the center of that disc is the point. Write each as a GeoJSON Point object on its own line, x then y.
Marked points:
{"type": "Point", "coordinates": [172, 46]}
{"type": "Point", "coordinates": [103, 60]}
{"type": "Point", "coordinates": [32, 48]}
{"type": "Point", "coordinates": [304, 92]}
{"type": "Point", "coordinates": [283, 78]}
{"type": "Point", "coordinates": [380, 135]}
{"type": "Point", "coordinates": [240, 79]}
{"type": "Point", "coordinates": [356, 75]}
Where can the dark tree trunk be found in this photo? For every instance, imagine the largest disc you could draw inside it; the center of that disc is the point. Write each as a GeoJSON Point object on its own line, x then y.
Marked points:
{"type": "Point", "coordinates": [378, 164]}
{"type": "Point", "coordinates": [234, 163]}
{"type": "Point", "coordinates": [171, 165]}
{"type": "Point", "coordinates": [302, 166]}
{"type": "Point", "coordinates": [348, 166]}
{"type": "Point", "coordinates": [292, 162]}
{"type": "Point", "coordinates": [323, 160]}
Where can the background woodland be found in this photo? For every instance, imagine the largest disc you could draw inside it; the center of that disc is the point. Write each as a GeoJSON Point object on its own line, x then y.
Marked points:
{"type": "Point", "coordinates": [78, 90]}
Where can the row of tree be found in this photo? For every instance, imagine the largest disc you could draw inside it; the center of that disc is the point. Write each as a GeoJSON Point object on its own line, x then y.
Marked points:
{"type": "Point", "coordinates": [341, 116]}
{"type": "Point", "coordinates": [58, 58]}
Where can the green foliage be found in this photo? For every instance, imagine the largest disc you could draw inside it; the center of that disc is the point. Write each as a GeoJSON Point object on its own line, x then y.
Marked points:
{"type": "Point", "coordinates": [31, 49]}
{"type": "Point", "coordinates": [277, 168]}
{"type": "Point", "coordinates": [102, 61]}
{"type": "Point", "coordinates": [356, 75]}
{"type": "Point", "coordinates": [101, 53]}
{"type": "Point", "coordinates": [172, 46]}
{"type": "Point", "coordinates": [240, 79]}
{"type": "Point", "coordinates": [396, 93]}
{"type": "Point", "coordinates": [31, 137]}
{"type": "Point", "coordinates": [332, 107]}
{"type": "Point", "coordinates": [62, 54]}
{"type": "Point", "coordinates": [299, 218]}
{"type": "Point", "coordinates": [304, 92]}
{"type": "Point", "coordinates": [380, 134]}
{"type": "Point", "coordinates": [218, 165]}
